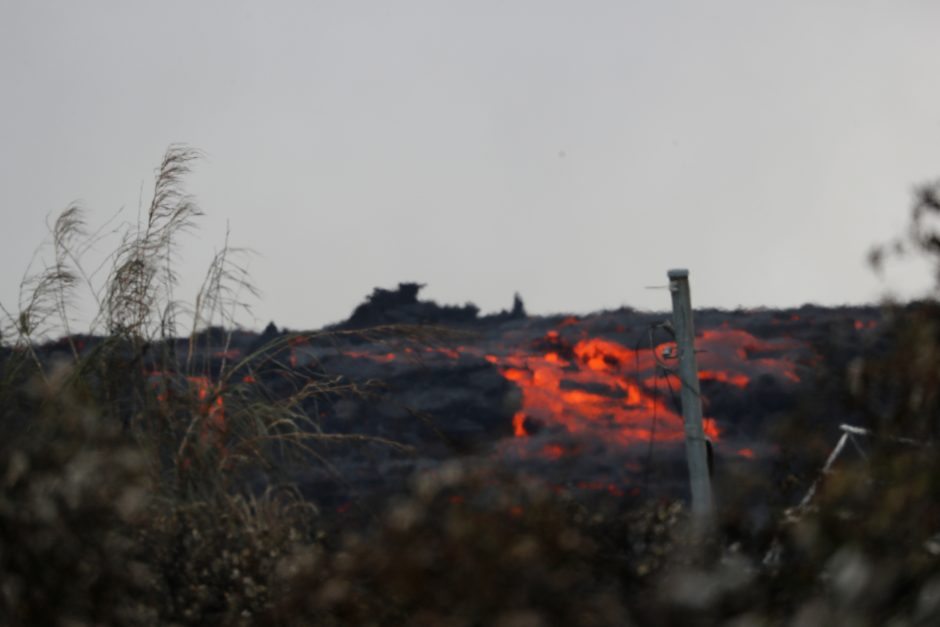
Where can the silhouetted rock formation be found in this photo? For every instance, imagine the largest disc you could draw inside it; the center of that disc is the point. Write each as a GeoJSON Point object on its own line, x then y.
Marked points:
{"type": "Point", "coordinates": [518, 308]}
{"type": "Point", "coordinates": [516, 313]}
{"type": "Point", "coordinates": [270, 333]}
{"type": "Point", "coordinates": [401, 306]}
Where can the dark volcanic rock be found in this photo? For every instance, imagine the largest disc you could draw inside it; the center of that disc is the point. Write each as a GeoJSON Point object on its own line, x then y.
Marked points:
{"type": "Point", "coordinates": [470, 396]}
{"type": "Point", "coordinates": [468, 405]}
{"type": "Point", "coordinates": [401, 306]}
{"type": "Point", "coordinates": [432, 401]}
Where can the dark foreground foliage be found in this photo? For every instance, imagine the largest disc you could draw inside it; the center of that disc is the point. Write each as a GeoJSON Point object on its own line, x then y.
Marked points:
{"type": "Point", "coordinates": [87, 537]}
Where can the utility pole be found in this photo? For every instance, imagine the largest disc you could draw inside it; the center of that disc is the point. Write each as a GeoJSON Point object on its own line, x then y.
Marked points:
{"type": "Point", "coordinates": [695, 447]}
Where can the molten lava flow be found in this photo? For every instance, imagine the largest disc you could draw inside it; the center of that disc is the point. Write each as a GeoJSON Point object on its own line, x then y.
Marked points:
{"type": "Point", "coordinates": [582, 396]}
{"type": "Point", "coordinates": [737, 380]}
{"type": "Point", "coordinates": [599, 388]}
{"type": "Point", "coordinates": [726, 353]}
{"type": "Point", "coordinates": [553, 451]}
{"type": "Point", "coordinates": [447, 352]}
{"type": "Point", "coordinates": [212, 404]}
{"type": "Point", "coordinates": [296, 344]}
{"type": "Point", "coordinates": [377, 357]}
{"type": "Point", "coordinates": [213, 429]}
{"type": "Point", "coordinates": [593, 393]}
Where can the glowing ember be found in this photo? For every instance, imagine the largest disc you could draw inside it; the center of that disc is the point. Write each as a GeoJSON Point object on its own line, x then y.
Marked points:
{"type": "Point", "coordinates": [737, 380]}
{"type": "Point", "coordinates": [296, 344]}
{"type": "Point", "coordinates": [378, 357]}
{"type": "Point", "coordinates": [553, 451]}
{"type": "Point", "coordinates": [447, 352]}
{"type": "Point", "coordinates": [600, 486]}
{"type": "Point", "coordinates": [213, 429]}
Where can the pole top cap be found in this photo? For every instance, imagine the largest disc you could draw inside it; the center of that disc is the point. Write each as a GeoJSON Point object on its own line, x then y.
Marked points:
{"type": "Point", "coordinates": [678, 273]}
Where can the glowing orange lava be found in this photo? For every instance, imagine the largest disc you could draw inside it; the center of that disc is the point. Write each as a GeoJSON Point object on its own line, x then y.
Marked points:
{"type": "Point", "coordinates": [737, 380]}
{"type": "Point", "coordinates": [378, 357]}
{"type": "Point", "coordinates": [598, 387]}
{"type": "Point", "coordinates": [727, 350]}
{"type": "Point", "coordinates": [592, 394]}
{"type": "Point", "coordinates": [553, 451]}
{"type": "Point", "coordinates": [213, 430]}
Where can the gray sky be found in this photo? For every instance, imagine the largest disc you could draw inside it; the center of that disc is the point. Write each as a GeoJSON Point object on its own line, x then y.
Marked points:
{"type": "Point", "coordinates": [572, 151]}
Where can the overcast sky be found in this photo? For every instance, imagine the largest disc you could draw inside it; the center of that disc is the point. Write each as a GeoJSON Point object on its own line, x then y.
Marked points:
{"type": "Point", "coordinates": [571, 151]}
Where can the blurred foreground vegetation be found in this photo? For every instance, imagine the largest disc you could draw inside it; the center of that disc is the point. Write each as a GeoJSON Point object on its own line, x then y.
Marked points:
{"type": "Point", "coordinates": [126, 502]}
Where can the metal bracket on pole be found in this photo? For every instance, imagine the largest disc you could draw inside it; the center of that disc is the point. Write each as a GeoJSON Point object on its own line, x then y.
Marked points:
{"type": "Point", "coordinates": [695, 447]}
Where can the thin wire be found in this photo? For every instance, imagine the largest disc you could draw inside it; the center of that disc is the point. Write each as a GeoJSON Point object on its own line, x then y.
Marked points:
{"type": "Point", "coordinates": [672, 393]}
{"type": "Point", "coordinates": [668, 327]}
{"type": "Point", "coordinates": [636, 377]}
{"type": "Point", "coordinates": [652, 437]}
{"type": "Point", "coordinates": [858, 447]}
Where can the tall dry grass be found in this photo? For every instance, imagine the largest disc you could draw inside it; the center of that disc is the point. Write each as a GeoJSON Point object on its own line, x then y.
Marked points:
{"type": "Point", "coordinates": [127, 460]}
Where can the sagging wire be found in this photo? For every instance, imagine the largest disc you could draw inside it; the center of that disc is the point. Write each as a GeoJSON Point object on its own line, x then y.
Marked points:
{"type": "Point", "coordinates": [658, 365]}
{"type": "Point", "coordinates": [666, 370]}
{"type": "Point", "coordinates": [667, 326]}
{"type": "Point", "coordinates": [652, 431]}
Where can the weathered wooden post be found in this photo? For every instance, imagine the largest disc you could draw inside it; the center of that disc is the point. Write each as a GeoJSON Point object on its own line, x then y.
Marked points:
{"type": "Point", "coordinates": [695, 446]}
